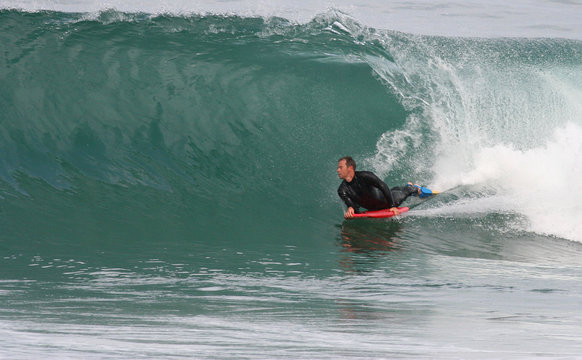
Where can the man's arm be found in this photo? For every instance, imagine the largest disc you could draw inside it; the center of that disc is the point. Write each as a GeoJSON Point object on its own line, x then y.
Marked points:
{"type": "Point", "coordinates": [371, 178]}
{"type": "Point", "coordinates": [347, 200]}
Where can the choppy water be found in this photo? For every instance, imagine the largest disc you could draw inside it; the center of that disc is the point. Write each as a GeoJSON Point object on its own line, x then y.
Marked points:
{"type": "Point", "coordinates": [168, 188]}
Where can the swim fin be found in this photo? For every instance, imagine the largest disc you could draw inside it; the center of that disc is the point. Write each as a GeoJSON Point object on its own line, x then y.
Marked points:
{"type": "Point", "coordinates": [424, 192]}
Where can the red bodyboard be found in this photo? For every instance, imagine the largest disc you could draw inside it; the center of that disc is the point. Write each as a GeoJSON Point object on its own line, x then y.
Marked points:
{"type": "Point", "coordinates": [386, 213]}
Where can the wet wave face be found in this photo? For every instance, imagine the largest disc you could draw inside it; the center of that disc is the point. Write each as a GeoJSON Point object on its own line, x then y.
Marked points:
{"type": "Point", "coordinates": [243, 115]}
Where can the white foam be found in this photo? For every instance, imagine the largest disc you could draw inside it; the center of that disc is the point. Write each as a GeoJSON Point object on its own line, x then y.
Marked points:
{"type": "Point", "coordinates": [540, 183]}
{"type": "Point", "coordinates": [502, 123]}
{"type": "Point", "coordinates": [535, 161]}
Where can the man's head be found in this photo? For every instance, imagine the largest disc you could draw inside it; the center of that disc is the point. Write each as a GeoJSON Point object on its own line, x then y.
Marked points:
{"type": "Point", "coordinates": [346, 168]}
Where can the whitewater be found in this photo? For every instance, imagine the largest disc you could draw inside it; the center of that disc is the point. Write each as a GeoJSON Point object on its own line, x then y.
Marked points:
{"type": "Point", "coordinates": [168, 186]}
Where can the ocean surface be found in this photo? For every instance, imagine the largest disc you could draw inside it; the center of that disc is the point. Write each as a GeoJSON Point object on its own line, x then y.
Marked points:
{"type": "Point", "coordinates": [168, 185]}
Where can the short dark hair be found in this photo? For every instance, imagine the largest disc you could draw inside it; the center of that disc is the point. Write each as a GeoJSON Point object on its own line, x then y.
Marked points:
{"type": "Point", "coordinates": [349, 161]}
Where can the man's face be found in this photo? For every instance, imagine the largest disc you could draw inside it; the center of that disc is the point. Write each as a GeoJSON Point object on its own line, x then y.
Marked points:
{"type": "Point", "coordinates": [342, 169]}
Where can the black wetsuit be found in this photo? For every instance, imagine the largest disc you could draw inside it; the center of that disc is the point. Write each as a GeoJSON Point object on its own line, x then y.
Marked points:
{"type": "Point", "coordinates": [368, 191]}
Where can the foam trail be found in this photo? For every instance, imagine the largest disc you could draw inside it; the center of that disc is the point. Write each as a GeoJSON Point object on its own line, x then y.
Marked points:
{"type": "Point", "coordinates": [539, 183]}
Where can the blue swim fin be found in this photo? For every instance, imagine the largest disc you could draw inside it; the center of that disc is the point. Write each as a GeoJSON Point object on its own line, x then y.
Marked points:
{"type": "Point", "coordinates": [424, 192]}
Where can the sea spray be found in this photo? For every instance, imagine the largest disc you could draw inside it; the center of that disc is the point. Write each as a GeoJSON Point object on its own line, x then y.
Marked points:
{"type": "Point", "coordinates": [492, 115]}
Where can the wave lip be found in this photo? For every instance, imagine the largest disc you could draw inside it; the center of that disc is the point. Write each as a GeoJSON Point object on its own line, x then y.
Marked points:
{"type": "Point", "coordinates": [525, 18]}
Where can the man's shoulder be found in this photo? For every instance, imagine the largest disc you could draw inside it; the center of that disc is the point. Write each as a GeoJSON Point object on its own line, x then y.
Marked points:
{"type": "Point", "coordinates": [366, 175]}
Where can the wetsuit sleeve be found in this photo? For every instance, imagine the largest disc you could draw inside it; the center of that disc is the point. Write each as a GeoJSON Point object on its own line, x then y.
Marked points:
{"type": "Point", "coordinates": [372, 179]}
{"type": "Point", "coordinates": [341, 191]}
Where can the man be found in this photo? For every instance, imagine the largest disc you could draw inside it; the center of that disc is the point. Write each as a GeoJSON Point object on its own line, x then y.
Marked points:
{"type": "Point", "coordinates": [364, 189]}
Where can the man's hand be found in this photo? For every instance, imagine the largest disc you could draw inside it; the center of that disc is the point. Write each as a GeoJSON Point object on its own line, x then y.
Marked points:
{"type": "Point", "coordinates": [349, 213]}
{"type": "Point", "coordinates": [395, 211]}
